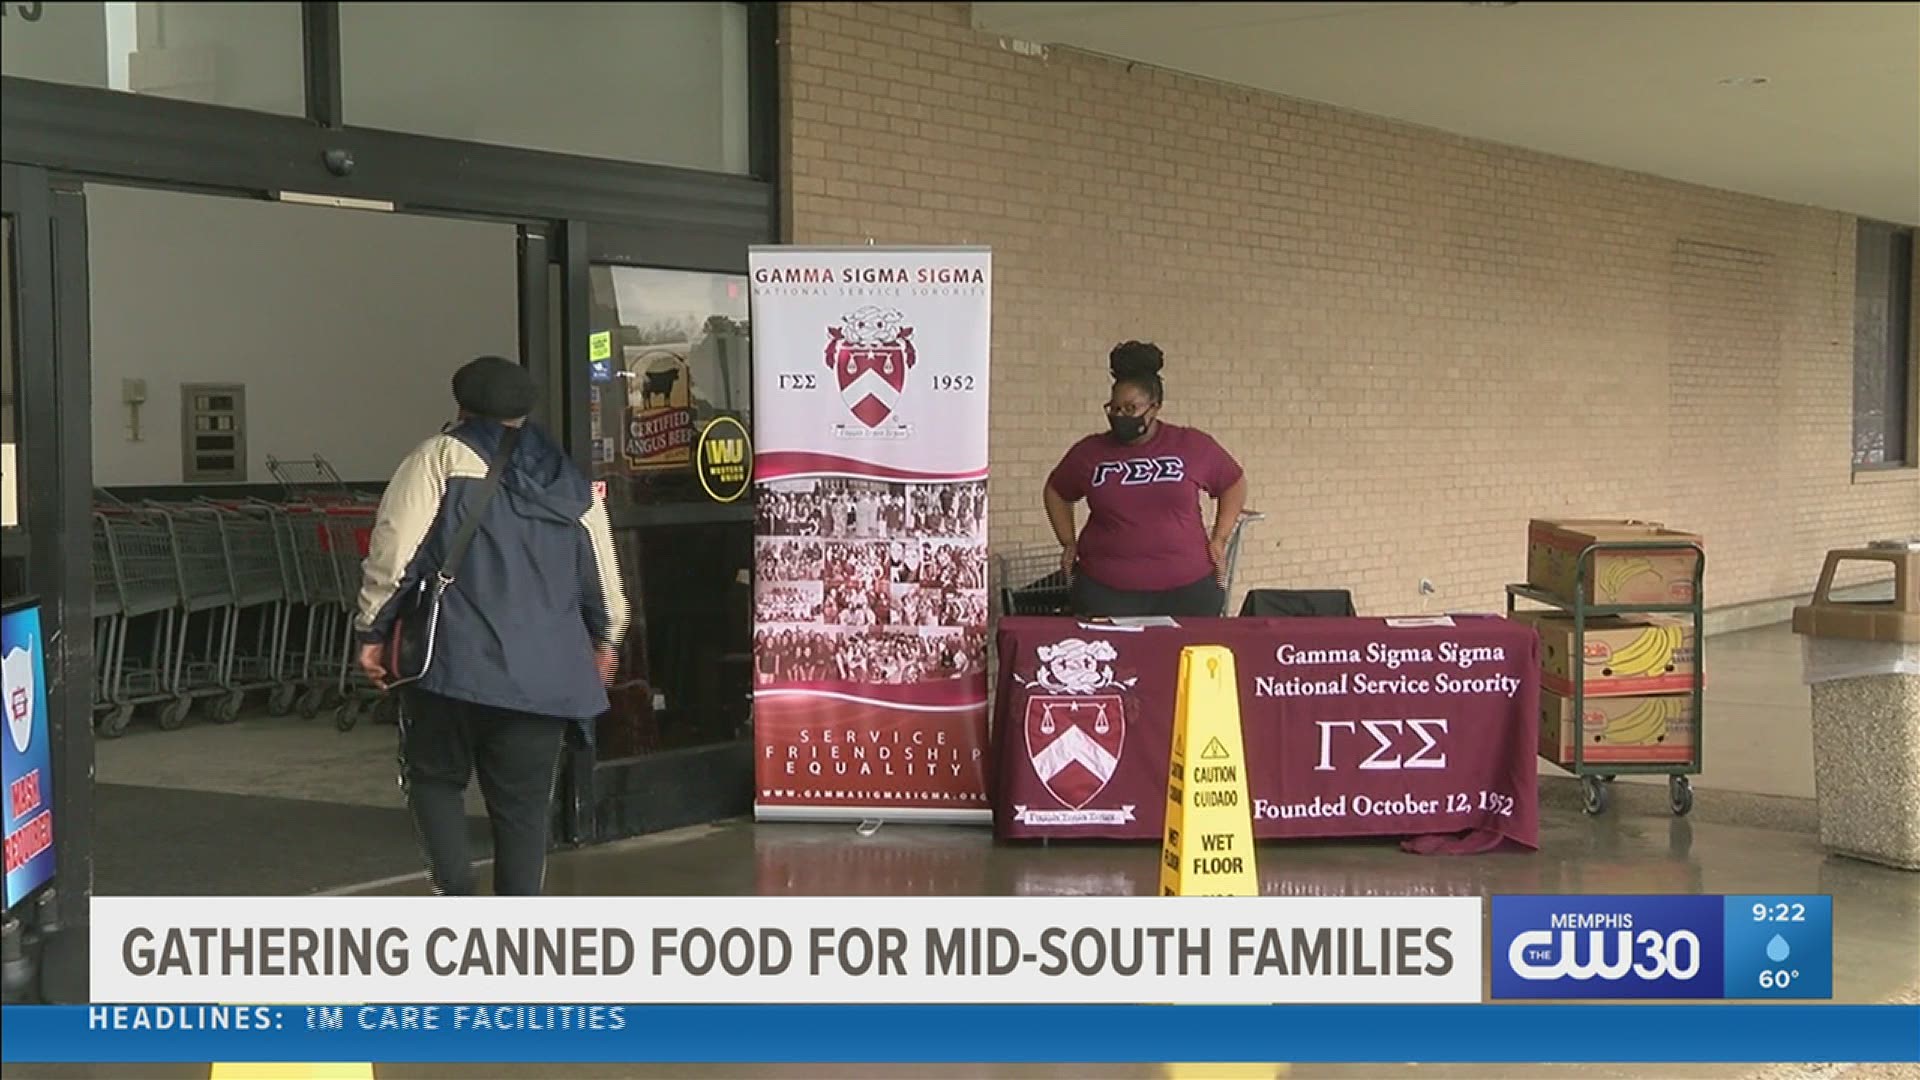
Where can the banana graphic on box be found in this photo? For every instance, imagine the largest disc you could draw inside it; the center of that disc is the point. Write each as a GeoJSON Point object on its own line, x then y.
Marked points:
{"type": "Point", "coordinates": [1650, 654]}
{"type": "Point", "coordinates": [1616, 573]}
{"type": "Point", "coordinates": [1645, 723]}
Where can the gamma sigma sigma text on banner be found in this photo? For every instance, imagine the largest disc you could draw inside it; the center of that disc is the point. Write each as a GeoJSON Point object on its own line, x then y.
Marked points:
{"type": "Point", "coordinates": [870, 584]}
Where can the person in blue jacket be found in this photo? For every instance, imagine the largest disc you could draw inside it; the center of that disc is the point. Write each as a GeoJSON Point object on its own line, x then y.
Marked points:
{"type": "Point", "coordinates": [528, 634]}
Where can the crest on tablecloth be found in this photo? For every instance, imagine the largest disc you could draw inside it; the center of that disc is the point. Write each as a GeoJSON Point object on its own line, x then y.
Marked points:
{"type": "Point", "coordinates": [1075, 743]}
{"type": "Point", "coordinates": [1076, 730]}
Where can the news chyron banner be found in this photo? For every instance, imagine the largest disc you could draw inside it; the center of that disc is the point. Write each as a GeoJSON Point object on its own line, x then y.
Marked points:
{"type": "Point", "coordinates": [579, 951]}
{"type": "Point", "coordinates": [870, 585]}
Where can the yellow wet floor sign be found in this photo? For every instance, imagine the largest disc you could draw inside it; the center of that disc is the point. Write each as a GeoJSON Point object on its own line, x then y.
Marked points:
{"type": "Point", "coordinates": [283, 1071]}
{"type": "Point", "coordinates": [1208, 847]}
{"type": "Point", "coordinates": [1209, 837]}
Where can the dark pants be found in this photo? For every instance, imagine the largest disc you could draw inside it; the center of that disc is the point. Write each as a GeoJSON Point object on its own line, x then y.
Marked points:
{"type": "Point", "coordinates": [442, 743]}
{"type": "Point", "coordinates": [1090, 599]}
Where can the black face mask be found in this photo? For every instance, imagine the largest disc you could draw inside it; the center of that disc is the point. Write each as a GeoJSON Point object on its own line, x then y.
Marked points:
{"type": "Point", "coordinates": [1127, 428]}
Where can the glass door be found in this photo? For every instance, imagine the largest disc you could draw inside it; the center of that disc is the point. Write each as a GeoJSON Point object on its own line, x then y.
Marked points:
{"type": "Point", "coordinates": [668, 356]}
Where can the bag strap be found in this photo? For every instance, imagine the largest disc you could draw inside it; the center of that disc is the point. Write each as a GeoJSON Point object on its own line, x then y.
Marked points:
{"type": "Point", "coordinates": [495, 471]}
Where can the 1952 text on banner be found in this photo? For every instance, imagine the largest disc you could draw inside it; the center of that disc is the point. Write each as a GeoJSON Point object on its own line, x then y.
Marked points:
{"type": "Point", "coordinates": [870, 590]}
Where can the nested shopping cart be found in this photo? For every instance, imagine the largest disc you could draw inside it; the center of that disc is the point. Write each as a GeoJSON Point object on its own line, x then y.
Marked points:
{"type": "Point", "coordinates": [135, 595]}
{"type": "Point", "coordinates": [349, 532]}
{"type": "Point", "coordinates": [261, 576]}
{"type": "Point", "coordinates": [203, 647]}
{"type": "Point", "coordinates": [312, 482]}
{"type": "Point", "coordinates": [290, 649]}
{"type": "Point", "coordinates": [314, 655]}
{"type": "Point", "coordinates": [1031, 581]}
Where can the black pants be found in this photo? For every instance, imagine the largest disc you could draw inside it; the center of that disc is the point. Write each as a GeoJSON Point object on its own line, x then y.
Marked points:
{"type": "Point", "coordinates": [442, 743]}
{"type": "Point", "coordinates": [1090, 599]}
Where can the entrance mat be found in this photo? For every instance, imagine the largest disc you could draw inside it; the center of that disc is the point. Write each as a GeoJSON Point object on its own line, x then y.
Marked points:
{"type": "Point", "coordinates": [152, 841]}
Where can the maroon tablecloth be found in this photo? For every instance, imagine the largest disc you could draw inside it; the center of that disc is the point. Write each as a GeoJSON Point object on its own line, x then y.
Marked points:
{"type": "Point", "coordinates": [1419, 728]}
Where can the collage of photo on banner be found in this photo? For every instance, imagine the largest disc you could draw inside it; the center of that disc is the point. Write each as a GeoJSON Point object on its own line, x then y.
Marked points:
{"type": "Point", "coordinates": [870, 586]}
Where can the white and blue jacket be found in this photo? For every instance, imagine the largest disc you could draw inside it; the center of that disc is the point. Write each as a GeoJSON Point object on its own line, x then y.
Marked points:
{"type": "Point", "coordinates": [538, 589]}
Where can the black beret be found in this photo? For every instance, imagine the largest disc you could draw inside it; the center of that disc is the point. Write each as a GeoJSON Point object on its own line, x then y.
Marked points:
{"type": "Point", "coordinates": [494, 388]}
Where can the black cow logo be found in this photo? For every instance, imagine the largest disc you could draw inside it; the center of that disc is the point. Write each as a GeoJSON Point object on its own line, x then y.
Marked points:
{"type": "Point", "coordinates": [656, 388]}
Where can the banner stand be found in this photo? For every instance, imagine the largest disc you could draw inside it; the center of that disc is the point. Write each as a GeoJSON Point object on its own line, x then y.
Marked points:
{"type": "Point", "coordinates": [870, 430]}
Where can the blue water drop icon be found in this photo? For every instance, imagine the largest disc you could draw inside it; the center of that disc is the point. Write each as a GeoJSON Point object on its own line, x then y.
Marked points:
{"type": "Point", "coordinates": [1778, 949]}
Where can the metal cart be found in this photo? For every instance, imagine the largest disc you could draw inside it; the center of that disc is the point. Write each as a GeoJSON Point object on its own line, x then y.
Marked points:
{"type": "Point", "coordinates": [349, 531]}
{"type": "Point", "coordinates": [288, 664]}
{"type": "Point", "coordinates": [206, 597]}
{"type": "Point", "coordinates": [256, 623]}
{"type": "Point", "coordinates": [315, 669]}
{"type": "Point", "coordinates": [312, 480]}
{"type": "Point", "coordinates": [1032, 583]}
{"type": "Point", "coordinates": [1594, 778]}
{"type": "Point", "coordinates": [135, 598]}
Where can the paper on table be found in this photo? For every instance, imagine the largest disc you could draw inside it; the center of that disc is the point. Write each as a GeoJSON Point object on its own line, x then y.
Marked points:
{"type": "Point", "coordinates": [1421, 620]}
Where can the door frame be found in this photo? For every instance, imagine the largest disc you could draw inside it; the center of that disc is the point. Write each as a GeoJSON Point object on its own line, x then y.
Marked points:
{"type": "Point", "coordinates": [609, 800]}
{"type": "Point", "coordinates": [55, 460]}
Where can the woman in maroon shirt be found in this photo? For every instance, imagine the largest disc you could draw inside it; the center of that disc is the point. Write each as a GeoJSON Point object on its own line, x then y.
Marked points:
{"type": "Point", "coordinates": [1145, 549]}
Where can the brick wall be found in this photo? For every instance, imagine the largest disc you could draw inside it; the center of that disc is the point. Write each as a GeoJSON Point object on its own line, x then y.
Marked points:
{"type": "Point", "coordinates": [1414, 342]}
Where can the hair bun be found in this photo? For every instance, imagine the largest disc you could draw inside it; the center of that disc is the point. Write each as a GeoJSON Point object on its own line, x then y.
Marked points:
{"type": "Point", "coordinates": [1136, 359]}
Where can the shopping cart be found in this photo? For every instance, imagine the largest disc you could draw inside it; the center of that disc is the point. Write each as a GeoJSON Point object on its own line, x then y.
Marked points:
{"type": "Point", "coordinates": [1031, 581]}
{"type": "Point", "coordinates": [349, 530]}
{"type": "Point", "coordinates": [290, 650]}
{"type": "Point", "coordinates": [135, 594]}
{"type": "Point", "coordinates": [259, 576]}
{"type": "Point", "coordinates": [205, 601]}
{"type": "Point", "coordinates": [312, 481]}
{"type": "Point", "coordinates": [312, 658]}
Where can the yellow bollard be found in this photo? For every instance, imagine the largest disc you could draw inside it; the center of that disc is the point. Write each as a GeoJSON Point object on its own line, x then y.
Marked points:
{"type": "Point", "coordinates": [1222, 1071]}
{"type": "Point", "coordinates": [1208, 845]}
{"type": "Point", "coordinates": [281, 1070]}
{"type": "Point", "coordinates": [287, 1071]}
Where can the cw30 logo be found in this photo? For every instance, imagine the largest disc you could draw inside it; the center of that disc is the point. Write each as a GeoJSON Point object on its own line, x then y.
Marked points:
{"type": "Point", "coordinates": [1541, 955]}
{"type": "Point", "coordinates": [1607, 947]}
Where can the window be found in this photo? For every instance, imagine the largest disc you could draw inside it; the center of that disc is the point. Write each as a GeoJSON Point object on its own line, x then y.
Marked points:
{"type": "Point", "coordinates": [248, 56]}
{"type": "Point", "coordinates": [1883, 361]}
{"type": "Point", "coordinates": [675, 357]}
{"type": "Point", "coordinates": [663, 84]}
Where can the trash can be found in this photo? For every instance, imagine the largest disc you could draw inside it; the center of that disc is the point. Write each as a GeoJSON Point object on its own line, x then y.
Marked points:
{"type": "Point", "coordinates": [1863, 664]}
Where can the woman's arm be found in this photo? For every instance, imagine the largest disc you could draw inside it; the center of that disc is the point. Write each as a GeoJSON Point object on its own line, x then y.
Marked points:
{"type": "Point", "coordinates": [1227, 510]}
{"type": "Point", "coordinates": [1060, 516]}
{"type": "Point", "coordinates": [1226, 516]}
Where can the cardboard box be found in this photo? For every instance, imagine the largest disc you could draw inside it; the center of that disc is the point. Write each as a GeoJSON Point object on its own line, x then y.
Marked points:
{"type": "Point", "coordinates": [1658, 576]}
{"type": "Point", "coordinates": [1644, 730]}
{"type": "Point", "coordinates": [1625, 655]}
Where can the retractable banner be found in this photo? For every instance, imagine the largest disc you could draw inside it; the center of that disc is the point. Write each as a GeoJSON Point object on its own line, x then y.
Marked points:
{"type": "Point", "coordinates": [870, 588]}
